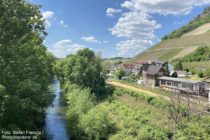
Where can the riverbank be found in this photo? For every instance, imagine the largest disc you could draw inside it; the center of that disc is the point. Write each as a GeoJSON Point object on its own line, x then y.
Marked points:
{"type": "Point", "coordinates": [130, 115]}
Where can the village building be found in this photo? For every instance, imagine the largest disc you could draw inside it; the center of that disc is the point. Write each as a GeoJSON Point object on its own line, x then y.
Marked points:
{"type": "Point", "coordinates": [152, 74]}
{"type": "Point", "coordinates": [151, 70]}
{"type": "Point", "coordinates": [180, 85]}
{"type": "Point", "coordinates": [127, 68]}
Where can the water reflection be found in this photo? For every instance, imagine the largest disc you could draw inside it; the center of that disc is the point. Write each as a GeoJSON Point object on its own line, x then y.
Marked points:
{"type": "Point", "coordinates": [55, 122]}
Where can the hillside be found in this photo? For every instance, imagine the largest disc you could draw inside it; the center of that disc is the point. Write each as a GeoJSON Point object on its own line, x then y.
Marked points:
{"type": "Point", "coordinates": [170, 49]}
{"type": "Point", "coordinates": [115, 60]}
{"type": "Point", "coordinates": [181, 42]}
{"type": "Point", "coordinates": [200, 20]}
{"type": "Point", "coordinates": [200, 30]}
{"type": "Point", "coordinates": [199, 60]}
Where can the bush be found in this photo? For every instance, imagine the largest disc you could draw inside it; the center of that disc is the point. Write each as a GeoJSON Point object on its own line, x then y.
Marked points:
{"type": "Point", "coordinates": [96, 124]}
{"type": "Point", "coordinates": [195, 129]}
{"type": "Point", "coordinates": [79, 102]}
{"type": "Point", "coordinates": [200, 74]}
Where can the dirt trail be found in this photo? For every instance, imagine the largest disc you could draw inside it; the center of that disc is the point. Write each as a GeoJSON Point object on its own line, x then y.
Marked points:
{"type": "Point", "coordinates": [153, 94]}
{"type": "Point", "coordinates": [117, 84]}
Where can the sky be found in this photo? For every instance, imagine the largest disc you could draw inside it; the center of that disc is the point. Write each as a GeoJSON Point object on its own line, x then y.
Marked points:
{"type": "Point", "coordinates": [113, 27]}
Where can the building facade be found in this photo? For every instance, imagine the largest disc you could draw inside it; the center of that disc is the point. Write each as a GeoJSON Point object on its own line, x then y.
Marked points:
{"type": "Point", "coordinates": [186, 86]}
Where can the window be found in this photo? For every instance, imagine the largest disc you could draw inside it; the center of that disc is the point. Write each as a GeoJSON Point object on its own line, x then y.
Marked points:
{"type": "Point", "coordinates": [163, 82]}
{"type": "Point", "coordinates": [184, 85]}
{"type": "Point", "coordinates": [175, 84]}
{"type": "Point", "coordinates": [169, 83]}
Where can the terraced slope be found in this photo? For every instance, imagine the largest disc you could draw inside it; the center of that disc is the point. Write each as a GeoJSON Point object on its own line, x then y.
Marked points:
{"type": "Point", "coordinates": [200, 30]}
{"type": "Point", "coordinates": [174, 48]}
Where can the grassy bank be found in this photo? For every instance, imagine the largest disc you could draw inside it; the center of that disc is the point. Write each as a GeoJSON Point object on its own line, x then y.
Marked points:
{"type": "Point", "coordinates": [128, 115]}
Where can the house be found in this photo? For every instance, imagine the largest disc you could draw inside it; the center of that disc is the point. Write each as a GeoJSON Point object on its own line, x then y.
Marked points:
{"type": "Point", "coordinates": [152, 74]}
{"type": "Point", "coordinates": [151, 70]}
{"type": "Point", "coordinates": [207, 81]}
{"type": "Point", "coordinates": [127, 68]}
{"type": "Point", "coordinates": [180, 85]}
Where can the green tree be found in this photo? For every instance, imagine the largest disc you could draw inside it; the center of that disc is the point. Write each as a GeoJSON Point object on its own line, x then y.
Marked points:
{"type": "Point", "coordinates": [79, 102]}
{"type": "Point", "coordinates": [178, 65]}
{"type": "Point", "coordinates": [174, 74]}
{"type": "Point", "coordinates": [25, 68]}
{"type": "Point", "coordinates": [83, 69]}
{"type": "Point", "coordinates": [120, 73]}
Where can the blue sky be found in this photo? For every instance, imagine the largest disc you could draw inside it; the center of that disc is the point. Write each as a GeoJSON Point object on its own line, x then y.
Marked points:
{"type": "Point", "coordinates": [114, 27]}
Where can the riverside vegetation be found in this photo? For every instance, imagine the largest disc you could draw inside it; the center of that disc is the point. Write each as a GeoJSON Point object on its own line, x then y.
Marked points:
{"type": "Point", "coordinates": [115, 113]}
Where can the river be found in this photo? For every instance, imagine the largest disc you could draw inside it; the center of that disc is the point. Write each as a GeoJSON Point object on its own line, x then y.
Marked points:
{"type": "Point", "coordinates": [55, 121]}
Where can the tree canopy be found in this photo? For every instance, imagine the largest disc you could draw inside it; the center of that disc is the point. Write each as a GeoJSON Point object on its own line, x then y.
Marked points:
{"type": "Point", "coordinates": [25, 67]}
{"type": "Point", "coordinates": [83, 69]}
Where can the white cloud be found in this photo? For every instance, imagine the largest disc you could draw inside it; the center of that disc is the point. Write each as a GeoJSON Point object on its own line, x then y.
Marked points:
{"type": "Point", "coordinates": [47, 15]}
{"type": "Point", "coordinates": [164, 7]}
{"type": "Point", "coordinates": [63, 24]}
{"type": "Point", "coordinates": [132, 47]}
{"type": "Point", "coordinates": [64, 47]}
{"type": "Point", "coordinates": [111, 11]}
{"type": "Point", "coordinates": [90, 39]}
{"type": "Point", "coordinates": [137, 26]}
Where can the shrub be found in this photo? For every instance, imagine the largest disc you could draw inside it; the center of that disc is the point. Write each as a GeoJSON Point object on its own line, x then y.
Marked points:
{"type": "Point", "coordinates": [195, 129]}
{"type": "Point", "coordinates": [200, 74]}
{"type": "Point", "coordinates": [79, 102]}
{"type": "Point", "coordinates": [96, 124]}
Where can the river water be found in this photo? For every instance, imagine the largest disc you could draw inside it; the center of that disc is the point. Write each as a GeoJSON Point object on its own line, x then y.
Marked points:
{"type": "Point", "coordinates": [55, 121]}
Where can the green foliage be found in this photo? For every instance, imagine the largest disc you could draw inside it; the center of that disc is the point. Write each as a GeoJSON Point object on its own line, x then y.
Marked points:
{"type": "Point", "coordinates": [79, 101]}
{"type": "Point", "coordinates": [83, 69]}
{"type": "Point", "coordinates": [178, 65]}
{"type": "Point", "coordinates": [201, 74]}
{"type": "Point", "coordinates": [200, 54]}
{"type": "Point", "coordinates": [84, 119]}
{"type": "Point", "coordinates": [150, 100]}
{"type": "Point", "coordinates": [174, 74]}
{"type": "Point", "coordinates": [207, 72]}
{"type": "Point", "coordinates": [120, 73]}
{"type": "Point", "coordinates": [25, 67]}
{"type": "Point", "coordinates": [199, 21]}
{"type": "Point", "coordinates": [96, 124]}
{"type": "Point", "coordinates": [195, 129]}
{"type": "Point", "coordinates": [136, 125]}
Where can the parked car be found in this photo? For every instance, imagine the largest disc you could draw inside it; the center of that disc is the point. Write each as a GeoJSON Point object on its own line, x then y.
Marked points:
{"type": "Point", "coordinates": [141, 82]}
{"type": "Point", "coordinates": [125, 78]}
